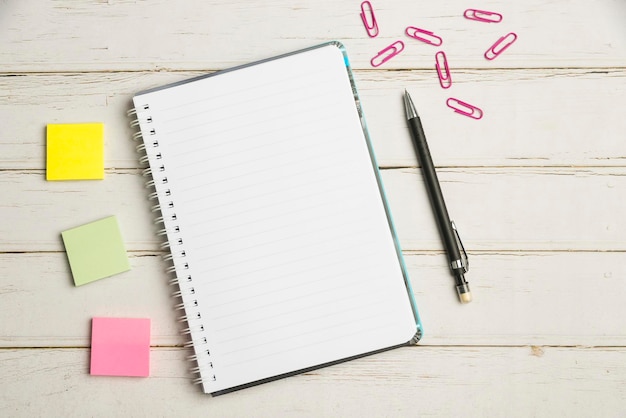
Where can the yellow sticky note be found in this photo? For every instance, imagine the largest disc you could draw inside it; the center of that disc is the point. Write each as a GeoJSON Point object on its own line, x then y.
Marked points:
{"type": "Point", "coordinates": [75, 151]}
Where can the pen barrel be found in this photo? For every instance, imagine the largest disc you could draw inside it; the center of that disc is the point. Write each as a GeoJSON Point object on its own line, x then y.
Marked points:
{"type": "Point", "coordinates": [436, 196]}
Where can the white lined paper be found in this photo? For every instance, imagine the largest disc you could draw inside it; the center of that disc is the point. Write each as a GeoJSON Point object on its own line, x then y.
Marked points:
{"type": "Point", "coordinates": [285, 233]}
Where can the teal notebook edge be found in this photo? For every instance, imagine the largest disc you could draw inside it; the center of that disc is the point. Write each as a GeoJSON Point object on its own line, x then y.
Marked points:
{"type": "Point", "coordinates": [419, 332]}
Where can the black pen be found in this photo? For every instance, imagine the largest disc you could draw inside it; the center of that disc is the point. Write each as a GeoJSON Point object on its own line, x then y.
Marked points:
{"type": "Point", "coordinates": [447, 229]}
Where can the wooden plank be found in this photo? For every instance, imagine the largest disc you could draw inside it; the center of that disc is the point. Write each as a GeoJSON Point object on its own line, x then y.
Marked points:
{"type": "Point", "coordinates": [561, 298]}
{"type": "Point", "coordinates": [495, 209]}
{"type": "Point", "coordinates": [218, 34]}
{"type": "Point", "coordinates": [46, 309]}
{"type": "Point", "coordinates": [40, 210]}
{"type": "Point", "coordinates": [531, 116]}
{"type": "Point", "coordinates": [428, 381]}
{"type": "Point", "coordinates": [557, 298]}
{"type": "Point", "coordinates": [514, 209]}
{"type": "Point", "coordinates": [32, 101]}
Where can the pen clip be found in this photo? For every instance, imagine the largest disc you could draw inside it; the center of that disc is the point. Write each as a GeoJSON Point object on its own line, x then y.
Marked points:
{"type": "Point", "coordinates": [464, 259]}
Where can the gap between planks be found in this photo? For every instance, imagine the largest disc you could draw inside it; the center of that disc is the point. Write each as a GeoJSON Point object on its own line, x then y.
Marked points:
{"type": "Point", "coordinates": [413, 347]}
{"type": "Point", "coordinates": [589, 69]}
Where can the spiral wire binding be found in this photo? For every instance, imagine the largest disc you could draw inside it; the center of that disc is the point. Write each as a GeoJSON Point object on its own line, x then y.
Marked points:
{"type": "Point", "coordinates": [148, 147]}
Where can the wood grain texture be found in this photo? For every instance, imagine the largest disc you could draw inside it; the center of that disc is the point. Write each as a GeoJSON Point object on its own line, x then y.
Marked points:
{"type": "Point", "coordinates": [532, 117]}
{"type": "Point", "coordinates": [536, 188]}
{"type": "Point", "coordinates": [151, 35]}
{"type": "Point", "coordinates": [521, 208]}
{"type": "Point", "coordinates": [418, 381]}
{"type": "Point", "coordinates": [541, 298]}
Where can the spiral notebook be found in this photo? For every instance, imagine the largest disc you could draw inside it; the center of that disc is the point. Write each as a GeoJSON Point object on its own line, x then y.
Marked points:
{"type": "Point", "coordinates": [278, 232]}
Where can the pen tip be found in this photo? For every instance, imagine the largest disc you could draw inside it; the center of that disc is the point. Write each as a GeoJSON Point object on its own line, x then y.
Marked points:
{"type": "Point", "coordinates": [409, 106]}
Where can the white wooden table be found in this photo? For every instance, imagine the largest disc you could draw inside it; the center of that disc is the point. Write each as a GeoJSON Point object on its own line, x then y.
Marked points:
{"type": "Point", "coordinates": [537, 189]}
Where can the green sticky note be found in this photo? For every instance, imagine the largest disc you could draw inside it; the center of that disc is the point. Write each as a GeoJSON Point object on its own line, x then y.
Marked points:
{"type": "Point", "coordinates": [95, 250]}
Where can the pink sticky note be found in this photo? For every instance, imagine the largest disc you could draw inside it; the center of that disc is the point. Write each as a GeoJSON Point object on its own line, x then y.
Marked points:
{"type": "Point", "coordinates": [120, 346]}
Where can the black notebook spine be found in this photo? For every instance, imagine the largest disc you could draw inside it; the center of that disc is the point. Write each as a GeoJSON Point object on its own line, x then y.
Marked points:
{"type": "Point", "coordinates": [180, 269]}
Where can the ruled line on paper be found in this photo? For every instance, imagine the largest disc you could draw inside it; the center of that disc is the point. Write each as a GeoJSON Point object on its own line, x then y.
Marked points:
{"type": "Point", "coordinates": [277, 161]}
{"type": "Point", "coordinates": [214, 226]}
{"type": "Point", "coordinates": [286, 280]}
{"type": "Point", "coordinates": [292, 291]}
{"type": "Point", "coordinates": [354, 329]}
{"type": "Point", "coordinates": [286, 265]}
{"type": "Point", "coordinates": [256, 139]}
{"type": "Point", "coordinates": [258, 225]}
{"type": "Point", "coordinates": [223, 200]}
{"type": "Point", "coordinates": [327, 313]}
{"type": "Point", "coordinates": [268, 206]}
{"type": "Point", "coordinates": [280, 105]}
{"type": "Point", "coordinates": [250, 90]}
{"type": "Point", "coordinates": [224, 143]}
{"type": "Point", "coordinates": [285, 239]}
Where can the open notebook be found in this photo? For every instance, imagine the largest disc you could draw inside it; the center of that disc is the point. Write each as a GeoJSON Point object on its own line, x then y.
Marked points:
{"type": "Point", "coordinates": [271, 202]}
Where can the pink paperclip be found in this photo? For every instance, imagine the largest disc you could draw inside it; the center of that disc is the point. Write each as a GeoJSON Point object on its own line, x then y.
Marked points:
{"type": "Point", "coordinates": [387, 53]}
{"type": "Point", "coordinates": [367, 11]}
{"type": "Point", "coordinates": [464, 109]}
{"type": "Point", "coordinates": [431, 38]}
{"type": "Point", "coordinates": [444, 76]}
{"type": "Point", "coordinates": [492, 53]}
{"type": "Point", "coordinates": [483, 16]}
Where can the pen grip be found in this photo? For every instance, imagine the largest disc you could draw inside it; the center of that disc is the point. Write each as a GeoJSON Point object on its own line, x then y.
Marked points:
{"type": "Point", "coordinates": [434, 190]}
